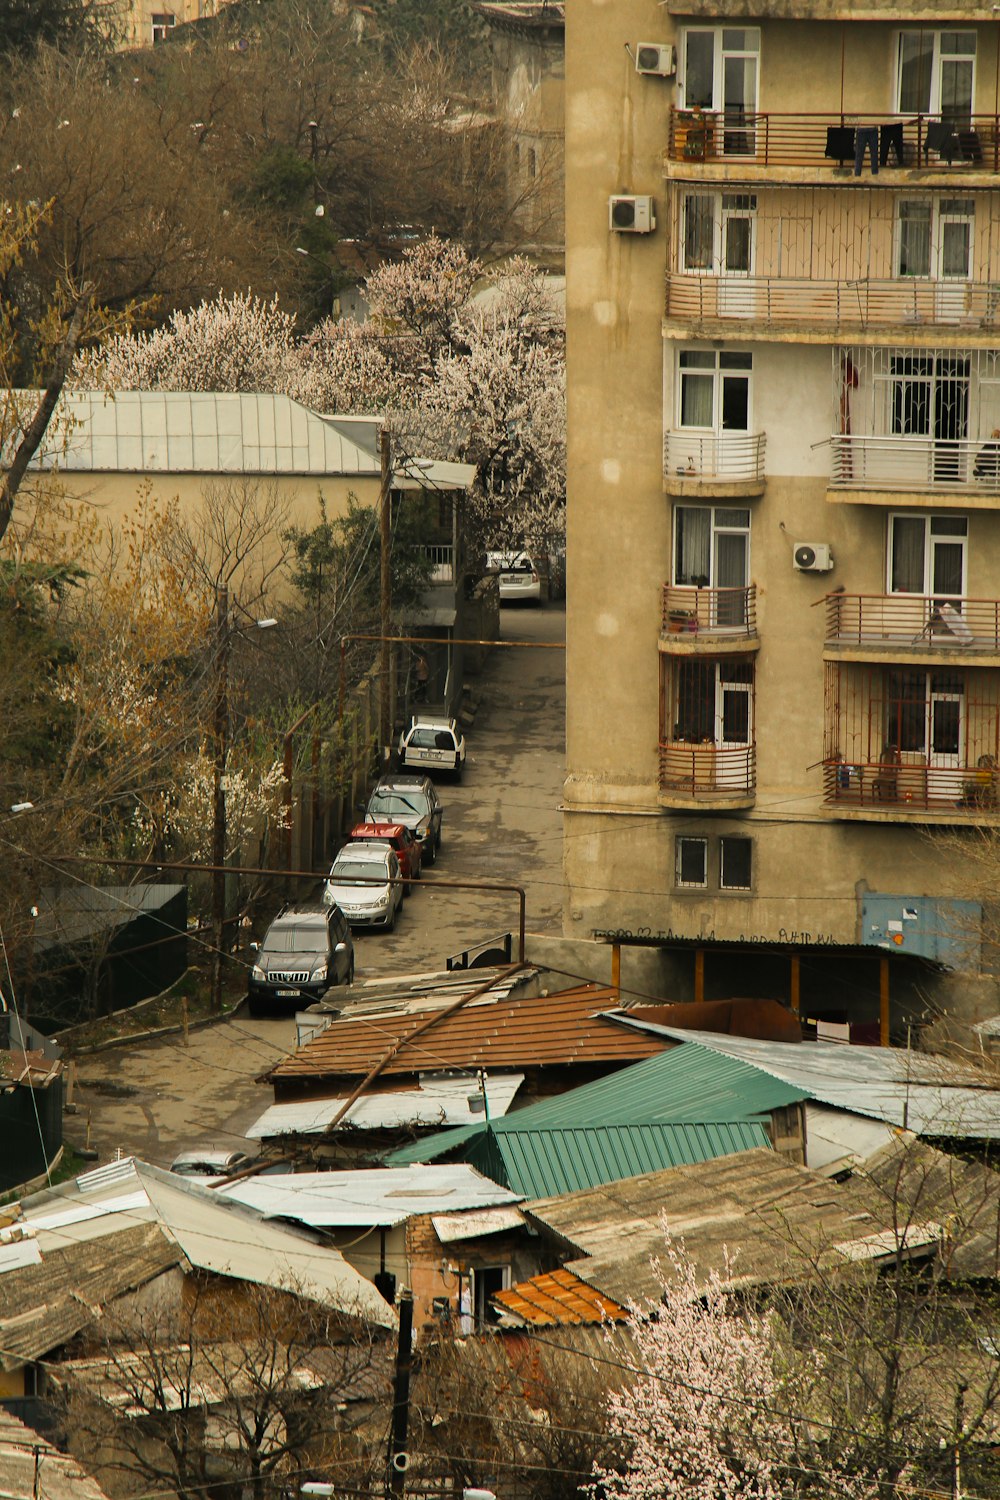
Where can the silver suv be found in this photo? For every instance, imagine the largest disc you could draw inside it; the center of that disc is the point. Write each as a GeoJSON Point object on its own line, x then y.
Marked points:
{"type": "Point", "coordinates": [412, 801]}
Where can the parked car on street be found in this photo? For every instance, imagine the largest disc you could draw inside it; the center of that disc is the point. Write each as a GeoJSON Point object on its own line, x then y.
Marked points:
{"type": "Point", "coordinates": [209, 1161]}
{"type": "Point", "coordinates": [432, 744]}
{"type": "Point", "coordinates": [364, 881]}
{"type": "Point", "coordinates": [400, 839]}
{"type": "Point", "coordinates": [413, 801]}
{"type": "Point", "coordinates": [306, 949]}
{"type": "Point", "coordinates": [517, 577]}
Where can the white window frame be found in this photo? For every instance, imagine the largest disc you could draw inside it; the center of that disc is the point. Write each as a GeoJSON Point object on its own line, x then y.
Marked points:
{"type": "Point", "coordinates": [939, 216]}
{"type": "Point", "coordinates": [162, 24]}
{"type": "Point", "coordinates": [927, 591]}
{"type": "Point", "coordinates": [718, 65]}
{"type": "Point", "coordinates": [717, 374]}
{"type": "Point", "coordinates": [934, 107]}
{"type": "Point", "coordinates": [722, 212]}
{"type": "Point", "coordinates": [716, 529]}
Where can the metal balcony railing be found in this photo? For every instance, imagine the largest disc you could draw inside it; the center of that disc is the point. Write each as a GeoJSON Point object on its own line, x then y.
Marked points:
{"type": "Point", "coordinates": [908, 462]}
{"type": "Point", "coordinates": [733, 456]}
{"type": "Point", "coordinates": [442, 560]}
{"type": "Point", "coordinates": [779, 139]}
{"type": "Point", "coordinates": [897, 620]}
{"type": "Point", "coordinates": [690, 611]}
{"type": "Point", "coordinates": [836, 305]}
{"type": "Point", "coordinates": [705, 772]}
{"type": "Point", "coordinates": [884, 785]}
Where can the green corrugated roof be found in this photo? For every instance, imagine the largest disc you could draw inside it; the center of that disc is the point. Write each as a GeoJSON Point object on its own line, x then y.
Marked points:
{"type": "Point", "coordinates": [542, 1163]}
{"type": "Point", "coordinates": [685, 1085]}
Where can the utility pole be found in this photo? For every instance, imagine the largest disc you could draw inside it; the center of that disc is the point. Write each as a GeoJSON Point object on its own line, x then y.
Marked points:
{"type": "Point", "coordinates": [220, 756]}
{"type": "Point", "coordinates": [956, 1468]}
{"type": "Point", "coordinates": [385, 597]}
{"type": "Point", "coordinates": [397, 1457]}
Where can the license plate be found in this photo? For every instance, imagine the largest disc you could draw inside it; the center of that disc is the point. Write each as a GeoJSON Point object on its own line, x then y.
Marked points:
{"type": "Point", "coordinates": [286, 994]}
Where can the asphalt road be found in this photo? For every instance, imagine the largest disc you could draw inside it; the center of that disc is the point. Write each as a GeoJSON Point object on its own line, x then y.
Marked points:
{"type": "Point", "coordinates": [501, 823]}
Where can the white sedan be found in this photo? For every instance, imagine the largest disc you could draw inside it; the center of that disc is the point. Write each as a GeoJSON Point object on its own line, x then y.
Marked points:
{"type": "Point", "coordinates": [517, 577]}
{"type": "Point", "coordinates": [432, 745]}
{"type": "Point", "coordinates": [365, 883]}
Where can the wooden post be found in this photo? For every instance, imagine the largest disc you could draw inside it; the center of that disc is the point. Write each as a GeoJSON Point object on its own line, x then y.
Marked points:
{"type": "Point", "coordinates": [385, 600]}
{"type": "Point", "coordinates": [184, 1020]}
{"type": "Point", "coordinates": [883, 1002]}
{"type": "Point", "coordinates": [795, 986]}
{"type": "Point", "coordinates": [616, 970]}
{"type": "Point", "coordinates": [699, 974]}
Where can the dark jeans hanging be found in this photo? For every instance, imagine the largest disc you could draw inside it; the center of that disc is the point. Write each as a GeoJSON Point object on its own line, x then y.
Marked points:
{"type": "Point", "coordinates": [865, 138]}
{"type": "Point", "coordinates": [890, 138]}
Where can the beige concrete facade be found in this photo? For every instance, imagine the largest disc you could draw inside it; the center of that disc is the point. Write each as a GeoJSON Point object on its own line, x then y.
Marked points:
{"type": "Point", "coordinates": [797, 353]}
{"type": "Point", "coordinates": [144, 23]}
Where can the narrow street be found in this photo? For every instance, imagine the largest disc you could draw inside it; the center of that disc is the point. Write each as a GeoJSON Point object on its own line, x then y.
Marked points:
{"type": "Point", "coordinates": [500, 824]}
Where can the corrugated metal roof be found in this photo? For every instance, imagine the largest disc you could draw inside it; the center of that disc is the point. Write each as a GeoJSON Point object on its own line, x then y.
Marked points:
{"type": "Point", "coordinates": [676, 1085]}
{"type": "Point", "coordinates": [435, 1102]}
{"type": "Point", "coordinates": [559, 1297]}
{"type": "Point", "coordinates": [383, 1196]}
{"type": "Point", "coordinates": [545, 1162]}
{"type": "Point", "coordinates": [450, 1228]}
{"type": "Point", "coordinates": [930, 1095]}
{"type": "Point", "coordinates": [410, 994]}
{"type": "Point", "coordinates": [516, 1033]}
{"type": "Point", "coordinates": [202, 432]}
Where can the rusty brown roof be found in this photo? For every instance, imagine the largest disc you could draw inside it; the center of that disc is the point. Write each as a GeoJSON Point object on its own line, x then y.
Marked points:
{"type": "Point", "coordinates": [513, 1032]}
{"type": "Point", "coordinates": [558, 1298]}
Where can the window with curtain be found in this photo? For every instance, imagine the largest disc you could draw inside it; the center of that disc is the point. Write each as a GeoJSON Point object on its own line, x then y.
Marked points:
{"type": "Point", "coordinates": [936, 73]}
{"type": "Point", "coordinates": [715, 389]}
{"type": "Point", "coordinates": [913, 237]}
{"type": "Point", "coordinates": [699, 232]}
{"type": "Point", "coordinates": [927, 555]}
{"type": "Point", "coordinates": [712, 546]}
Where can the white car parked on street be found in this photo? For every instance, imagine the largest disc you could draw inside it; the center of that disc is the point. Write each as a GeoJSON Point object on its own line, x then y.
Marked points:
{"type": "Point", "coordinates": [432, 745]}
{"type": "Point", "coordinates": [364, 881]}
{"type": "Point", "coordinates": [517, 577]}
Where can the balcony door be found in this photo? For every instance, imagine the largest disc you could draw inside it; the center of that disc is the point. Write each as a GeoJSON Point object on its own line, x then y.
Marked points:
{"type": "Point", "coordinates": [925, 723]}
{"type": "Point", "coordinates": [936, 74]}
{"type": "Point", "coordinates": [739, 248]}
{"type": "Point", "coordinates": [721, 73]}
{"type": "Point", "coordinates": [930, 398]}
{"type": "Point", "coordinates": [733, 721]}
{"type": "Point", "coordinates": [712, 551]}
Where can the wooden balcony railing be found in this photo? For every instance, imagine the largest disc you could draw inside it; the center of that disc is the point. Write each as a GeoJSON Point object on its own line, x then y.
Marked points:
{"type": "Point", "coordinates": [690, 611]}
{"type": "Point", "coordinates": [779, 139]}
{"type": "Point", "coordinates": [898, 620]}
{"type": "Point", "coordinates": [705, 772]}
{"type": "Point", "coordinates": [883, 786]}
{"type": "Point", "coordinates": [733, 456]}
{"type": "Point", "coordinates": [907, 462]}
{"type": "Point", "coordinates": [848, 305]}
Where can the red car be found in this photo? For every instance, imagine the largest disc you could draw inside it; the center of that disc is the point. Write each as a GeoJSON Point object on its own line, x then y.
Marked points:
{"type": "Point", "coordinates": [404, 841]}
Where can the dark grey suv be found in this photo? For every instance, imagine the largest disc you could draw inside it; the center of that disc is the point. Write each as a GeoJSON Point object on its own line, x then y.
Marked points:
{"type": "Point", "coordinates": [307, 949]}
{"type": "Point", "coordinates": [414, 802]}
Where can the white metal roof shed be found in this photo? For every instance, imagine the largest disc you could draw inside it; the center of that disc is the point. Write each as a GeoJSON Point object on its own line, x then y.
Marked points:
{"type": "Point", "coordinates": [438, 1102]}
{"type": "Point", "coordinates": [380, 1196]}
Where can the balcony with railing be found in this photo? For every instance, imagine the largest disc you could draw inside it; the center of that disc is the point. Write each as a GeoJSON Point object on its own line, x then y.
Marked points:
{"type": "Point", "coordinates": [700, 619]}
{"type": "Point", "coordinates": [912, 628]}
{"type": "Point", "coordinates": [707, 775]}
{"type": "Point", "coordinates": [907, 463]}
{"type": "Point", "coordinates": [706, 463]}
{"type": "Point", "coordinates": [741, 145]}
{"type": "Point", "coordinates": [441, 556]}
{"type": "Point", "coordinates": [912, 742]}
{"type": "Point", "coordinates": [852, 306]}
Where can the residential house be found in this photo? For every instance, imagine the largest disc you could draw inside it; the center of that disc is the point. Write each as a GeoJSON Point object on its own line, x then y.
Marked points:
{"type": "Point", "coordinates": [784, 549]}
{"type": "Point", "coordinates": [133, 1230]}
{"type": "Point", "coordinates": [756, 1220]}
{"type": "Point", "coordinates": [859, 1097]}
{"type": "Point", "coordinates": [447, 1232]}
{"type": "Point", "coordinates": [529, 1045]}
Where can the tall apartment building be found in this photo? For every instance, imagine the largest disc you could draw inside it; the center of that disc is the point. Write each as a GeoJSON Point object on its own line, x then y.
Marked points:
{"type": "Point", "coordinates": [783, 298]}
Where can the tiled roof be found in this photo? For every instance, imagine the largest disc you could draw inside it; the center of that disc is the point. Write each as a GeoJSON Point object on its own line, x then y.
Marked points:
{"type": "Point", "coordinates": [551, 1031]}
{"type": "Point", "coordinates": [559, 1297]}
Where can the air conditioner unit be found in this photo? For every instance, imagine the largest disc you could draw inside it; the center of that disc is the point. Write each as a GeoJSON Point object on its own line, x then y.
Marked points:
{"type": "Point", "coordinates": [812, 557]}
{"type": "Point", "coordinates": [631, 214]}
{"type": "Point", "coordinates": [652, 57]}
